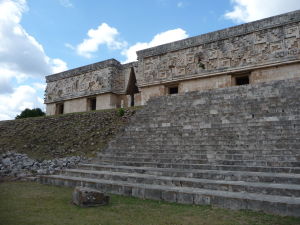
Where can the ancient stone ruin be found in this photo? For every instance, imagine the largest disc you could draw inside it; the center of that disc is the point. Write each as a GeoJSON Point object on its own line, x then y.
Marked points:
{"type": "Point", "coordinates": [256, 52]}
{"type": "Point", "coordinates": [218, 141]}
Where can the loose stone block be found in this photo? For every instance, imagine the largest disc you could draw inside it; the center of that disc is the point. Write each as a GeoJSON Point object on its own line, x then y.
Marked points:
{"type": "Point", "coordinates": [86, 197]}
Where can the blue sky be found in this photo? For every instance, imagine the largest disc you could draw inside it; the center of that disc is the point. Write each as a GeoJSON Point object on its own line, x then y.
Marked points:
{"type": "Point", "coordinates": [41, 37]}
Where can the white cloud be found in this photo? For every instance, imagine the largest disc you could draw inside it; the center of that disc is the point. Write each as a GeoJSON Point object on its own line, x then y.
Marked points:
{"type": "Point", "coordinates": [22, 97]}
{"type": "Point", "coordinates": [66, 3]}
{"type": "Point", "coordinates": [159, 39]}
{"type": "Point", "coordinates": [250, 10]}
{"type": "Point", "coordinates": [58, 65]}
{"type": "Point", "coordinates": [21, 57]}
{"type": "Point", "coordinates": [41, 86]}
{"type": "Point", "coordinates": [103, 35]}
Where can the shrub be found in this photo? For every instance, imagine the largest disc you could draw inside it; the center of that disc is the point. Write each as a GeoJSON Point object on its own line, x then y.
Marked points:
{"type": "Point", "coordinates": [121, 112]}
{"type": "Point", "coordinates": [30, 113]}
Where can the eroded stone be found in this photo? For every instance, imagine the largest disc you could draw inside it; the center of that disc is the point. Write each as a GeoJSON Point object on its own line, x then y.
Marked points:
{"type": "Point", "coordinates": [87, 197]}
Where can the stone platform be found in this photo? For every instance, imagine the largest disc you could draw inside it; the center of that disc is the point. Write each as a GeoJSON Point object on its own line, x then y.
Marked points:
{"type": "Point", "coordinates": [234, 147]}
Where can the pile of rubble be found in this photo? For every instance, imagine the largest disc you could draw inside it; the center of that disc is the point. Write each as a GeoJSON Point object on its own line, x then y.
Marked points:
{"type": "Point", "coordinates": [16, 165]}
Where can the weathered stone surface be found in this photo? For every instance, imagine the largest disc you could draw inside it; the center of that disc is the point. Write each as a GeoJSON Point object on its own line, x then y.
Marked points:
{"type": "Point", "coordinates": [86, 197]}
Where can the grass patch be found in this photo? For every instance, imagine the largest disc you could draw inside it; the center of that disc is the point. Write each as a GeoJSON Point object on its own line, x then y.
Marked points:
{"type": "Point", "coordinates": [31, 203]}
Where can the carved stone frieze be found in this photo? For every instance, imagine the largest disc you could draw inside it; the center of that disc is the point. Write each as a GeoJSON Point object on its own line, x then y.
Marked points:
{"type": "Point", "coordinates": [269, 41]}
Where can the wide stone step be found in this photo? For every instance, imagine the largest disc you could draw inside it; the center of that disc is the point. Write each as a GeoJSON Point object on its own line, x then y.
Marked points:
{"type": "Point", "coordinates": [234, 186]}
{"type": "Point", "coordinates": [195, 150]}
{"type": "Point", "coordinates": [202, 122]}
{"type": "Point", "coordinates": [235, 200]}
{"type": "Point", "coordinates": [203, 146]}
{"type": "Point", "coordinates": [293, 138]}
{"type": "Point", "coordinates": [207, 155]}
{"type": "Point", "coordinates": [208, 166]}
{"type": "Point", "coordinates": [154, 161]}
{"type": "Point", "coordinates": [265, 177]}
{"type": "Point", "coordinates": [203, 99]}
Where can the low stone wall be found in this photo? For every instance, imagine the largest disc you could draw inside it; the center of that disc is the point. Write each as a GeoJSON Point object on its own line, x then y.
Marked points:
{"type": "Point", "coordinates": [60, 136]}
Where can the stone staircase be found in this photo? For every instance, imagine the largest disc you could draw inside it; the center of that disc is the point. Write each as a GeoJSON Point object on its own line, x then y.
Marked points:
{"type": "Point", "coordinates": [236, 147]}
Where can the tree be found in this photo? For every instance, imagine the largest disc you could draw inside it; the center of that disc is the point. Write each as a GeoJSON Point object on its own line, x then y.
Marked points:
{"type": "Point", "coordinates": [30, 113]}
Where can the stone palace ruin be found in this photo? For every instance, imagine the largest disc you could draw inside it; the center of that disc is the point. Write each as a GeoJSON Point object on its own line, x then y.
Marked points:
{"type": "Point", "coordinates": [255, 52]}
{"type": "Point", "coordinates": [218, 141]}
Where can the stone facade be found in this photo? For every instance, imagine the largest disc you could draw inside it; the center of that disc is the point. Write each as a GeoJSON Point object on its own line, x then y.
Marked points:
{"type": "Point", "coordinates": [263, 50]}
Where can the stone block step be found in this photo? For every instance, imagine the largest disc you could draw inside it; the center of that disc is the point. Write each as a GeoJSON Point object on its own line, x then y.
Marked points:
{"type": "Point", "coordinates": [154, 161]}
{"type": "Point", "coordinates": [207, 155]}
{"type": "Point", "coordinates": [234, 186]}
{"type": "Point", "coordinates": [247, 176]}
{"type": "Point", "coordinates": [195, 150]}
{"type": "Point", "coordinates": [205, 147]}
{"type": "Point", "coordinates": [208, 166]}
{"type": "Point", "coordinates": [282, 205]}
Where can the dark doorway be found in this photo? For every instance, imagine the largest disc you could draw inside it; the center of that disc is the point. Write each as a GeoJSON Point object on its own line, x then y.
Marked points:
{"type": "Point", "coordinates": [243, 80]}
{"type": "Point", "coordinates": [132, 88]}
{"type": "Point", "coordinates": [59, 109]}
{"type": "Point", "coordinates": [92, 103]}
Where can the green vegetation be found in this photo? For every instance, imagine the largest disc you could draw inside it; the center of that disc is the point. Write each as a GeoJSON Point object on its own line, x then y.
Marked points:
{"type": "Point", "coordinates": [26, 113]}
{"type": "Point", "coordinates": [31, 203]}
{"type": "Point", "coordinates": [121, 112]}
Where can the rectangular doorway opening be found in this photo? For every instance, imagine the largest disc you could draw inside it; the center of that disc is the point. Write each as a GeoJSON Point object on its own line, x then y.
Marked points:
{"type": "Point", "coordinates": [59, 108]}
{"type": "Point", "coordinates": [173, 90]}
{"type": "Point", "coordinates": [92, 103]}
{"type": "Point", "coordinates": [242, 80]}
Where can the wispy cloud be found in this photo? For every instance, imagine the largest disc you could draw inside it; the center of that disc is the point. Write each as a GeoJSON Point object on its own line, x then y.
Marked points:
{"type": "Point", "coordinates": [66, 3]}
{"type": "Point", "coordinates": [179, 4]}
{"type": "Point", "coordinates": [68, 45]}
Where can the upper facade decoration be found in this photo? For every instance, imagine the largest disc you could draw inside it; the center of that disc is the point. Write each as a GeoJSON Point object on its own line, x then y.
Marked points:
{"type": "Point", "coordinates": [102, 77]}
{"type": "Point", "coordinates": [265, 42]}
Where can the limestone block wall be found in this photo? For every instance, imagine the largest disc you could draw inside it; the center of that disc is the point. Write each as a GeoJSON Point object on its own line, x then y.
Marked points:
{"type": "Point", "coordinates": [108, 101]}
{"type": "Point", "coordinates": [205, 83]}
{"type": "Point", "coordinates": [150, 92]}
{"type": "Point", "coordinates": [50, 109]}
{"type": "Point", "coordinates": [276, 73]}
{"type": "Point", "coordinates": [75, 105]}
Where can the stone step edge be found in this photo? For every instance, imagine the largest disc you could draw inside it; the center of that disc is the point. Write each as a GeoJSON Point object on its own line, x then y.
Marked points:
{"type": "Point", "coordinates": [195, 180]}
{"type": "Point", "coordinates": [239, 195]}
{"type": "Point", "coordinates": [203, 164]}
{"type": "Point", "coordinates": [227, 172]}
{"type": "Point", "coordinates": [125, 158]}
